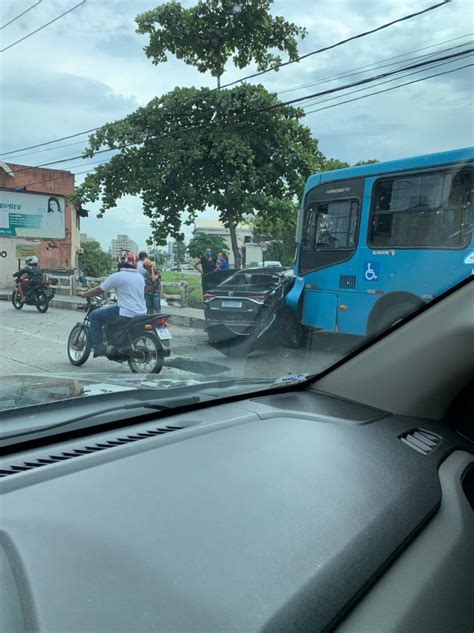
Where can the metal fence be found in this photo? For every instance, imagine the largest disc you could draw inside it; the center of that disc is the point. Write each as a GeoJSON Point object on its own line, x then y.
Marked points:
{"type": "Point", "coordinates": [172, 291]}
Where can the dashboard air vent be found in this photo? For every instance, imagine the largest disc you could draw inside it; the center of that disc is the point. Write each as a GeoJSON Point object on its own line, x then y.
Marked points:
{"type": "Point", "coordinates": [86, 450]}
{"type": "Point", "coordinates": [422, 441]}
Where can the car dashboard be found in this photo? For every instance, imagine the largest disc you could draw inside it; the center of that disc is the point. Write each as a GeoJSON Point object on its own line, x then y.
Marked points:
{"type": "Point", "coordinates": [292, 511]}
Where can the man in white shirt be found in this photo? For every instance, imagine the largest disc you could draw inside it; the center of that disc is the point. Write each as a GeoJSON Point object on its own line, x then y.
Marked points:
{"type": "Point", "coordinates": [129, 286]}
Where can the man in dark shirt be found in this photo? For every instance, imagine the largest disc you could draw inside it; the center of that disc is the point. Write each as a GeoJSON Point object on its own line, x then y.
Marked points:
{"type": "Point", "coordinates": [206, 264]}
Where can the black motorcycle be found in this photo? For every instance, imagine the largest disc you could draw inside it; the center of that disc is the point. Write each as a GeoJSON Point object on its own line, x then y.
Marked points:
{"type": "Point", "coordinates": [31, 289]}
{"type": "Point", "coordinates": [143, 341]}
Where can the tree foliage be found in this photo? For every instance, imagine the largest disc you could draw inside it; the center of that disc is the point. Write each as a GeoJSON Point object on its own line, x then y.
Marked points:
{"type": "Point", "coordinates": [210, 33]}
{"type": "Point", "coordinates": [179, 251]}
{"type": "Point", "coordinates": [201, 241]}
{"type": "Point", "coordinates": [93, 261]}
{"type": "Point", "coordinates": [190, 150]}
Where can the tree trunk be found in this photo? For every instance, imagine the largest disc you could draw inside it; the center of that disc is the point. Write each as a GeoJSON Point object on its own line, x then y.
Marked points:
{"type": "Point", "coordinates": [233, 241]}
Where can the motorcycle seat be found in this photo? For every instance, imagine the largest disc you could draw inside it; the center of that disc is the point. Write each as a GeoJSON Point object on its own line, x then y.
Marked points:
{"type": "Point", "coordinates": [125, 321]}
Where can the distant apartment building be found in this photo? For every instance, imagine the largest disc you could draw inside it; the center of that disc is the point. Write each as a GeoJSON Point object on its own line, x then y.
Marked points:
{"type": "Point", "coordinates": [122, 243]}
{"type": "Point", "coordinates": [87, 238]}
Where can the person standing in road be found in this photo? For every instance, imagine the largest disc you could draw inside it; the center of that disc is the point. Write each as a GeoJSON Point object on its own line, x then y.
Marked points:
{"type": "Point", "coordinates": [206, 264]}
{"type": "Point", "coordinates": [222, 261]}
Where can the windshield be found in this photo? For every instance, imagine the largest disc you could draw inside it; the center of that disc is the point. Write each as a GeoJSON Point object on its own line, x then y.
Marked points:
{"type": "Point", "coordinates": [223, 196]}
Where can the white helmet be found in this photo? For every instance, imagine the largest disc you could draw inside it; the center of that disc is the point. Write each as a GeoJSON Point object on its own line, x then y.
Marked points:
{"type": "Point", "coordinates": [31, 261]}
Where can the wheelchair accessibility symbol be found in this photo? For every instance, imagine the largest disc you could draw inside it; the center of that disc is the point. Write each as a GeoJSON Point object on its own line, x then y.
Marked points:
{"type": "Point", "coordinates": [372, 270]}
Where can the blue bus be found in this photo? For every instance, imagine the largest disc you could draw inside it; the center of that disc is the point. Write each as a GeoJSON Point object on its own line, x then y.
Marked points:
{"type": "Point", "coordinates": [375, 242]}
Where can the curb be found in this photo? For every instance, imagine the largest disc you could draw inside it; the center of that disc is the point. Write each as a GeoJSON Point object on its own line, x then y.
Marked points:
{"type": "Point", "coordinates": [175, 318]}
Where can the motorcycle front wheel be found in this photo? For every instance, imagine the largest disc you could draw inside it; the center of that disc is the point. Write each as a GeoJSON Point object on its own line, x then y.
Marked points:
{"type": "Point", "coordinates": [147, 355]}
{"type": "Point", "coordinates": [42, 302]}
{"type": "Point", "coordinates": [17, 302]}
{"type": "Point", "coordinates": [79, 345]}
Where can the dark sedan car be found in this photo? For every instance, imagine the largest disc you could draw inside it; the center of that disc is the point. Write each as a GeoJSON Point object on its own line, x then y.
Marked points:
{"type": "Point", "coordinates": [248, 305]}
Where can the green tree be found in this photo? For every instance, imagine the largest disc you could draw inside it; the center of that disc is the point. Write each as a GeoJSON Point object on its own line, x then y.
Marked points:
{"type": "Point", "coordinates": [238, 164]}
{"type": "Point", "coordinates": [369, 161]}
{"type": "Point", "coordinates": [179, 251]}
{"type": "Point", "coordinates": [93, 261]}
{"type": "Point", "coordinates": [157, 256]}
{"type": "Point", "coordinates": [208, 34]}
{"type": "Point", "coordinates": [198, 244]}
{"type": "Point", "coordinates": [279, 229]}
{"type": "Point", "coordinates": [236, 150]}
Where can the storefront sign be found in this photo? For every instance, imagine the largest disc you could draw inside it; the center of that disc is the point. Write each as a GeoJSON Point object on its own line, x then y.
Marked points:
{"type": "Point", "coordinates": [22, 251]}
{"type": "Point", "coordinates": [31, 215]}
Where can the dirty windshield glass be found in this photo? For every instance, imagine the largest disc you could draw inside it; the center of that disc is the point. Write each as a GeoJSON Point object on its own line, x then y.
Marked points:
{"type": "Point", "coordinates": [224, 194]}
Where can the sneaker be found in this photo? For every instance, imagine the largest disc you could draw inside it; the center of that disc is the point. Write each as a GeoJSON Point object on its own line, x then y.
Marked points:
{"type": "Point", "coordinates": [99, 350]}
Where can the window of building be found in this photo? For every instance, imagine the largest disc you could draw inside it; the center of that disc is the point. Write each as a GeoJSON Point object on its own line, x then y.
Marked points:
{"type": "Point", "coordinates": [428, 210]}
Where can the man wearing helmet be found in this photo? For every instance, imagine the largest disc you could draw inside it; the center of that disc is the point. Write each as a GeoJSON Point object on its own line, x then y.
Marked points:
{"type": "Point", "coordinates": [32, 271]}
{"type": "Point", "coordinates": [129, 287]}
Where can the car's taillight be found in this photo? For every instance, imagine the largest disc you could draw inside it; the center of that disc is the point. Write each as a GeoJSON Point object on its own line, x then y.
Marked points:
{"type": "Point", "coordinates": [257, 298]}
{"type": "Point", "coordinates": [208, 296]}
{"type": "Point", "coordinates": [162, 321]}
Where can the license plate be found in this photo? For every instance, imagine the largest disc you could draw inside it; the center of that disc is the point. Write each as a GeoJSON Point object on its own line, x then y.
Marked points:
{"type": "Point", "coordinates": [163, 333]}
{"type": "Point", "coordinates": [232, 304]}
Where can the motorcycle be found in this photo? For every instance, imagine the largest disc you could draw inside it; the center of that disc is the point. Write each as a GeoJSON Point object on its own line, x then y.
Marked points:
{"type": "Point", "coordinates": [38, 294]}
{"type": "Point", "coordinates": [142, 341]}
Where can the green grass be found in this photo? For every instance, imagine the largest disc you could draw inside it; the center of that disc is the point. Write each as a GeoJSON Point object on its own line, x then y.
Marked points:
{"type": "Point", "coordinates": [194, 286]}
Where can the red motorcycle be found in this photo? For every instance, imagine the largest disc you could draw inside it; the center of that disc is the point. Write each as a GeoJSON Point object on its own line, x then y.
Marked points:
{"type": "Point", "coordinates": [31, 290]}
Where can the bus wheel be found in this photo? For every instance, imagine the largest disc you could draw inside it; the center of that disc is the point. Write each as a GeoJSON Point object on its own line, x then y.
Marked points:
{"type": "Point", "coordinates": [385, 315]}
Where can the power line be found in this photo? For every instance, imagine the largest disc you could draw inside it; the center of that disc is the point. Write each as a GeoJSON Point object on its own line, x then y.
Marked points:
{"type": "Point", "coordinates": [349, 39]}
{"type": "Point", "coordinates": [242, 79]}
{"type": "Point", "coordinates": [280, 104]}
{"type": "Point", "coordinates": [374, 65]}
{"type": "Point", "coordinates": [415, 72]}
{"type": "Point", "coordinates": [20, 14]}
{"type": "Point", "coordinates": [380, 64]}
{"type": "Point", "coordinates": [40, 28]}
{"type": "Point", "coordinates": [408, 83]}
{"type": "Point", "coordinates": [47, 180]}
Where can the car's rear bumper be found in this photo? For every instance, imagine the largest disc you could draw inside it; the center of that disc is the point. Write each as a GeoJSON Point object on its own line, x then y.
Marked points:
{"type": "Point", "coordinates": [222, 331]}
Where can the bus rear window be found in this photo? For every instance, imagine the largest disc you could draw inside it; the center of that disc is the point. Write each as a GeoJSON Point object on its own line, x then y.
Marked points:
{"type": "Point", "coordinates": [422, 211]}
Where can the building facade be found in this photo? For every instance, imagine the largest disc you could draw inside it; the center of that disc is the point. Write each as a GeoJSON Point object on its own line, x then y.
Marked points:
{"type": "Point", "coordinates": [122, 243]}
{"type": "Point", "coordinates": [36, 218]}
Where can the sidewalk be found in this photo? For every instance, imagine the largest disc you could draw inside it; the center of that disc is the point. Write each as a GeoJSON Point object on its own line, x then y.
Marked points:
{"type": "Point", "coordinates": [184, 317]}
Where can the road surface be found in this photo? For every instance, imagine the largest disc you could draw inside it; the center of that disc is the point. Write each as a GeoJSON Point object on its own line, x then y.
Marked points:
{"type": "Point", "coordinates": [34, 343]}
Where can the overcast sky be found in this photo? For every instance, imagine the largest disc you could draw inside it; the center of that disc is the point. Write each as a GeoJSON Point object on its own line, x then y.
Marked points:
{"type": "Point", "coordinates": [89, 67]}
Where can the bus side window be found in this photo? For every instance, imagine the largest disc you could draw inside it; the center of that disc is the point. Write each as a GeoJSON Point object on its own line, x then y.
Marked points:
{"type": "Point", "coordinates": [422, 211]}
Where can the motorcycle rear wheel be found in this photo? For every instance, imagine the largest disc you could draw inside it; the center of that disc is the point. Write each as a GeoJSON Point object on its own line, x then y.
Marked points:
{"type": "Point", "coordinates": [17, 303]}
{"type": "Point", "coordinates": [147, 355]}
{"type": "Point", "coordinates": [79, 345]}
{"type": "Point", "coordinates": [42, 302]}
